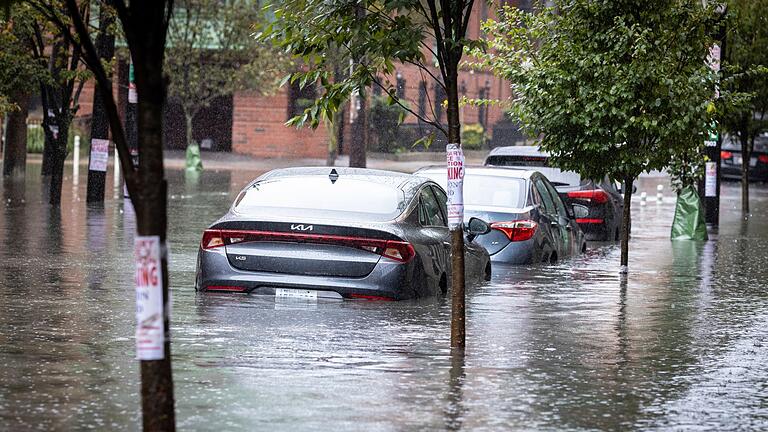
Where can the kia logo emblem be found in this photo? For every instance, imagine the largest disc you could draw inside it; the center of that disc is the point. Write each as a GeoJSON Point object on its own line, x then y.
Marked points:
{"type": "Point", "coordinates": [301, 227]}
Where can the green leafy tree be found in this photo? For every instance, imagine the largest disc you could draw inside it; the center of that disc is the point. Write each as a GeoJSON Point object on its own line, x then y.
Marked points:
{"type": "Point", "coordinates": [745, 73]}
{"type": "Point", "coordinates": [610, 87]}
{"type": "Point", "coordinates": [371, 36]}
{"type": "Point", "coordinates": [60, 85]}
{"type": "Point", "coordinates": [20, 75]}
{"type": "Point", "coordinates": [211, 54]}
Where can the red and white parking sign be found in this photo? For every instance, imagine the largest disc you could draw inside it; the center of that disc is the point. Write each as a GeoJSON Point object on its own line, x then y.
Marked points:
{"type": "Point", "coordinates": [150, 336]}
{"type": "Point", "coordinates": [455, 189]}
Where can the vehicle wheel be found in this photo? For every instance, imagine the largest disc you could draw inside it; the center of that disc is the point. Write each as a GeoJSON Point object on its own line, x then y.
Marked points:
{"type": "Point", "coordinates": [545, 259]}
{"type": "Point", "coordinates": [553, 258]}
{"type": "Point", "coordinates": [488, 271]}
{"type": "Point", "coordinates": [584, 247]}
{"type": "Point", "coordinates": [443, 284]}
{"type": "Point", "coordinates": [616, 236]}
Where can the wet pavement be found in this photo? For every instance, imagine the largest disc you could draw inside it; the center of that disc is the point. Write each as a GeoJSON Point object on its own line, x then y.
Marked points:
{"type": "Point", "coordinates": [682, 344]}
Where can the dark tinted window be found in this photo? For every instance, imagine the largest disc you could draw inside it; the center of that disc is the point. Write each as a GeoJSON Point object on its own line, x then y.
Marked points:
{"type": "Point", "coordinates": [442, 201]}
{"type": "Point", "coordinates": [509, 160]}
{"type": "Point", "coordinates": [558, 202]}
{"type": "Point", "coordinates": [549, 205]}
{"type": "Point", "coordinates": [431, 214]}
{"type": "Point", "coordinates": [347, 199]}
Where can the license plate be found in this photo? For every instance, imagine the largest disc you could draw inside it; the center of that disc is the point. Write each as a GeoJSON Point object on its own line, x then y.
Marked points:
{"type": "Point", "coordinates": [296, 293]}
{"type": "Point", "coordinates": [737, 160]}
{"type": "Point", "coordinates": [753, 161]}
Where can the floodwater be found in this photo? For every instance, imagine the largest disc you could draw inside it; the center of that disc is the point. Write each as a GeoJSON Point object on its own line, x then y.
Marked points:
{"type": "Point", "coordinates": [682, 344]}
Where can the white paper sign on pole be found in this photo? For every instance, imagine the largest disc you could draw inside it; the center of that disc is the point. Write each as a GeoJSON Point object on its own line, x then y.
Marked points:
{"type": "Point", "coordinates": [150, 336]}
{"type": "Point", "coordinates": [455, 190]}
{"type": "Point", "coordinates": [710, 179]}
{"type": "Point", "coordinates": [99, 155]}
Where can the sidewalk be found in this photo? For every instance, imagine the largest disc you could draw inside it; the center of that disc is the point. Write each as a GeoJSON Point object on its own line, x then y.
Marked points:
{"type": "Point", "coordinates": [222, 161]}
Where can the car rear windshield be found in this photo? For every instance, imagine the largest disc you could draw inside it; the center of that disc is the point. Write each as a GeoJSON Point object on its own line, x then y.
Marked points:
{"type": "Point", "coordinates": [346, 199]}
{"type": "Point", "coordinates": [494, 191]}
{"type": "Point", "coordinates": [540, 164]}
{"type": "Point", "coordinates": [487, 190]}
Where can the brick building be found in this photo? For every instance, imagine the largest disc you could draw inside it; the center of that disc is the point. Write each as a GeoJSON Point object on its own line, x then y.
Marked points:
{"type": "Point", "coordinates": [253, 124]}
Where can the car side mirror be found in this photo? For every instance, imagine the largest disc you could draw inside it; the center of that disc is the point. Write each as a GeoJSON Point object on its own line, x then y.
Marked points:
{"type": "Point", "coordinates": [476, 227]}
{"type": "Point", "coordinates": [620, 187]}
{"type": "Point", "coordinates": [580, 211]}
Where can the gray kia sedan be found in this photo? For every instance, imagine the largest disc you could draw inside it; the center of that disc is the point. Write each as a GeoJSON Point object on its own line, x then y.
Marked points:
{"type": "Point", "coordinates": [530, 222]}
{"type": "Point", "coordinates": [336, 233]}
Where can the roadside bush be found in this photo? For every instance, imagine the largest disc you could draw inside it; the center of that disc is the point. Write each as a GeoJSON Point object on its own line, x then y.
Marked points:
{"type": "Point", "coordinates": [383, 126]}
{"type": "Point", "coordinates": [36, 139]}
{"type": "Point", "coordinates": [472, 136]}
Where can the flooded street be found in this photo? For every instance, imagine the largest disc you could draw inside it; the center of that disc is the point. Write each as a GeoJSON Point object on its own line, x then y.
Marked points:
{"type": "Point", "coordinates": [683, 344]}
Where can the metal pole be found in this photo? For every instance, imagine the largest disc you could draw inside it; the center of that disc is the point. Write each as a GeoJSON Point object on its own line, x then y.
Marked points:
{"type": "Point", "coordinates": [131, 126]}
{"type": "Point", "coordinates": [76, 160]}
{"type": "Point", "coordinates": [709, 187]}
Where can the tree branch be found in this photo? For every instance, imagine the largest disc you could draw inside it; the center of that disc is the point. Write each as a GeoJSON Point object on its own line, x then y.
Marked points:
{"type": "Point", "coordinates": [92, 59]}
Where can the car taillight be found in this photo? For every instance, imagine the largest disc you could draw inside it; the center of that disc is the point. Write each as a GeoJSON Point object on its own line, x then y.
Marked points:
{"type": "Point", "coordinates": [225, 288]}
{"type": "Point", "coordinates": [370, 297]}
{"type": "Point", "coordinates": [516, 230]}
{"type": "Point", "coordinates": [725, 155]}
{"type": "Point", "coordinates": [398, 251]}
{"type": "Point", "coordinates": [589, 221]}
{"type": "Point", "coordinates": [598, 196]}
{"type": "Point", "coordinates": [394, 249]}
{"type": "Point", "coordinates": [763, 158]}
{"type": "Point", "coordinates": [212, 238]}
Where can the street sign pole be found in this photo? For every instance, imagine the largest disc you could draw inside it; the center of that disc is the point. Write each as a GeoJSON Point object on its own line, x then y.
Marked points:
{"type": "Point", "coordinates": [709, 186]}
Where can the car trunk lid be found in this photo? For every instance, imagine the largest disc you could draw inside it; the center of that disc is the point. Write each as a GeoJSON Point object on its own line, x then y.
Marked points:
{"type": "Point", "coordinates": [303, 249]}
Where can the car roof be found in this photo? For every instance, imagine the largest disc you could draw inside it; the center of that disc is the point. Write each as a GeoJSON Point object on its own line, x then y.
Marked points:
{"type": "Point", "coordinates": [392, 178]}
{"type": "Point", "coordinates": [518, 151]}
{"type": "Point", "coordinates": [510, 172]}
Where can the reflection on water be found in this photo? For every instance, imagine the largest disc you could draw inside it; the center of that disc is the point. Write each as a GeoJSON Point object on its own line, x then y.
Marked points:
{"type": "Point", "coordinates": [679, 343]}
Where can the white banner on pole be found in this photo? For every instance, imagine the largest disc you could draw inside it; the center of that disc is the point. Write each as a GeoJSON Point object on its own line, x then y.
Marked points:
{"type": "Point", "coordinates": [150, 335]}
{"type": "Point", "coordinates": [710, 179]}
{"type": "Point", "coordinates": [99, 155]}
{"type": "Point", "coordinates": [455, 190]}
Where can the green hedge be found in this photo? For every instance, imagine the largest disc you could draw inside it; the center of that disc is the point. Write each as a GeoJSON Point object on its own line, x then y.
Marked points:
{"type": "Point", "coordinates": [36, 139]}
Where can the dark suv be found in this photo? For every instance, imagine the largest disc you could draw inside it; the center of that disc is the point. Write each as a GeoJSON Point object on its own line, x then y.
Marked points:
{"type": "Point", "coordinates": [601, 201]}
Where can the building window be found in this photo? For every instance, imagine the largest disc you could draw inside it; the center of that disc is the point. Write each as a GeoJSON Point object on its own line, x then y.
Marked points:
{"type": "Point", "coordinates": [440, 97]}
{"type": "Point", "coordinates": [423, 99]}
{"type": "Point", "coordinates": [299, 98]}
{"type": "Point", "coordinates": [400, 86]}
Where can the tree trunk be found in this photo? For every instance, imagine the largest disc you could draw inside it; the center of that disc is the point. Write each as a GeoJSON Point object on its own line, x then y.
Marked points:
{"type": "Point", "coordinates": [105, 47]}
{"type": "Point", "coordinates": [626, 222]}
{"type": "Point", "coordinates": [57, 158]}
{"type": "Point", "coordinates": [458, 296]}
{"type": "Point", "coordinates": [15, 153]}
{"type": "Point", "coordinates": [157, 398]}
{"type": "Point", "coordinates": [48, 145]}
{"type": "Point", "coordinates": [746, 154]}
{"type": "Point", "coordinates": [335, 135]}
{"type": "Point", "coordinates": [357, 157]}
{"type": "Point", "coordinates": [188, 127]}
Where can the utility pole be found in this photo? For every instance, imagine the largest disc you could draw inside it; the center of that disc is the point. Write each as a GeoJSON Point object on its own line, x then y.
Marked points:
{"type": "Point", "coordinates": [131, 126]}
{"type": "Point", "coordinates": [709, 186]}
{"type": "Point", "coordinates": [99, 153]}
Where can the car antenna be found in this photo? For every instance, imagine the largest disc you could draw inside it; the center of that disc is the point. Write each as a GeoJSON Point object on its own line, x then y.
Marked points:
{"type": "Point", "coordinates": [333, 176]}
